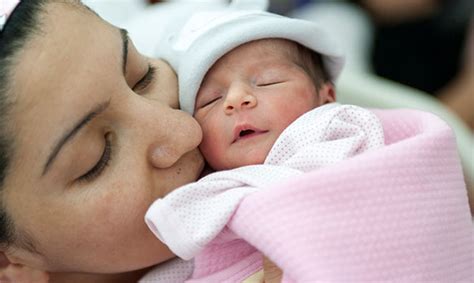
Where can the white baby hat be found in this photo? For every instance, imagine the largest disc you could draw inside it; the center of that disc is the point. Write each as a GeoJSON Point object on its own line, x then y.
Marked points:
{"type": "Point", "coordinates": [193, 44]}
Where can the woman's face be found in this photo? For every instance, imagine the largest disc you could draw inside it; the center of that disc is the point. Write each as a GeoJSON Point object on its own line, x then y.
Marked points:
{"type": "Point", "coordinates": [98, 138]}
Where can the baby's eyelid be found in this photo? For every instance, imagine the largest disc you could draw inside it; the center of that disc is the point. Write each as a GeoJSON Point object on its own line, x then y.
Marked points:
{"type": "Point", "coordinates": [268, 78]}
{"type": "Point", "coordinates": [268, 82]}
{"type": "Point", "coordinates": [200, 99]}
{"type": "Point", "coordinates": [208, 99]}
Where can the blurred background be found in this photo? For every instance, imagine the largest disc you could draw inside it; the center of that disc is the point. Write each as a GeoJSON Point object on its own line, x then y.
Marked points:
{"type": "Point", "coordinates": [399, 53]}
{"type": "Point", "coordinates": [424, 44]}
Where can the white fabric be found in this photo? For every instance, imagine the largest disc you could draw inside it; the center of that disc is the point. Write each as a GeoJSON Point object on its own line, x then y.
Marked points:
{"type": "Point", "coordinates": [6, 8]}
{"type": "Point", "coordinates": [173, 271]}
{"type": "Point", "coordinates": [194, 42]}
{"type": "Point", "coordinates": [190, 217]}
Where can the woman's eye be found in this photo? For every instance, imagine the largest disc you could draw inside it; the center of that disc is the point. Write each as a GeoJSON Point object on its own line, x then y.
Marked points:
{"type": "Point", "coordinates": [104, 160]}
{"type": "Point", "coordinates": [146, 80]}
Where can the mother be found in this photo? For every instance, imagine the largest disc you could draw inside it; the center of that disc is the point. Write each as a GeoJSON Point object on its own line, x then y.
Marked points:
{"type": "Point", "coordinates": [90, 136]}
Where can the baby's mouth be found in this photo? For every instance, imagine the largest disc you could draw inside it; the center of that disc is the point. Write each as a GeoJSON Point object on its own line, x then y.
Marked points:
{"type": "Point", "coordinates": [246, 131]}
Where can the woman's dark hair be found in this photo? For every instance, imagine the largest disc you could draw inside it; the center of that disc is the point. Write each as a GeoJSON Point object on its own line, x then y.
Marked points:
{"type": "Point", "coordinates": [19, 28]}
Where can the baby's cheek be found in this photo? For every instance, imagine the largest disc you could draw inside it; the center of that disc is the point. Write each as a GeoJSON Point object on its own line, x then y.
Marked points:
{"type": "Point", "coordinates": [206, 148]}
{"type": "Point", "coordinates": [211, 151]}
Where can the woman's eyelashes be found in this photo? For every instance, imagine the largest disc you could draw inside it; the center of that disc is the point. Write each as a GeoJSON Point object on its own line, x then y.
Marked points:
{"type": "Point", "coordinates": [146, 80]}
{"type": "Point", "coordinates": [105, 158]}
{"type": "Point", "coordinates": [99, 167]}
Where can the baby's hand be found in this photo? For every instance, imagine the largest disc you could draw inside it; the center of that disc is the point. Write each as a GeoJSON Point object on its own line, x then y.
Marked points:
{"type": "Point", "coordinates": [271, 272]}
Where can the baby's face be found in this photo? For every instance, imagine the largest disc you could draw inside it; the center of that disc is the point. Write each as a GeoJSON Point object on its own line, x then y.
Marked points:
{"type": "Point", "coordinates": [248, 98]}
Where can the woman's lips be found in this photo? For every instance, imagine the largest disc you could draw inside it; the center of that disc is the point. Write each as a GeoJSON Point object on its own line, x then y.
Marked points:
{"type": "Point", "coordinates": [246, 131]}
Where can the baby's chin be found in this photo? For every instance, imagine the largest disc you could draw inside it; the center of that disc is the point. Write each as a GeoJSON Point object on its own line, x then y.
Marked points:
{"type": "Point", "coordinates": [249, 158]}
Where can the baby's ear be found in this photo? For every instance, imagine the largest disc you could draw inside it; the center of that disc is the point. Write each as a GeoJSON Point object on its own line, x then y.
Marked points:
{"type": "Point", "coordinates": [327, 93]}
{"type": "Point", "coordinates": [261, 5]}
{"type": "Point", "coordinates": [10, 272]}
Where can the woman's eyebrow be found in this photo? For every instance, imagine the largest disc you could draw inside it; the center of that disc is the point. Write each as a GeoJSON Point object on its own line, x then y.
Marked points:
{"type": "Point", "coordinates": [72, 132]}
{"type": "Point", "coordinates": [125, 40]}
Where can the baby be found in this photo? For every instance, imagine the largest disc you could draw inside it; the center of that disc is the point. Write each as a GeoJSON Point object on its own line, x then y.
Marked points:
{"type": "Point", "coordinates": [261, 87]}
{"type": "Point", "coordinates": [252, 94]}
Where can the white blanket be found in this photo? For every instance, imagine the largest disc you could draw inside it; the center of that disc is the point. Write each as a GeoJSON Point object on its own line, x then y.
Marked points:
{"type": "Point", "coordinates": [191, 217]}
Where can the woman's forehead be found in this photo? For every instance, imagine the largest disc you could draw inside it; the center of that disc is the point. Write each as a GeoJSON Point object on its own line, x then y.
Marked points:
{"type": "Point", "coordinates": [70, 44]}
{"type": "Point", "coordinates": [61, 69]}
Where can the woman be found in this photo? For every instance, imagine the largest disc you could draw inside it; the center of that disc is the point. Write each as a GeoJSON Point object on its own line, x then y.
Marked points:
{"type": "Point", "coordinates": [90, 136]}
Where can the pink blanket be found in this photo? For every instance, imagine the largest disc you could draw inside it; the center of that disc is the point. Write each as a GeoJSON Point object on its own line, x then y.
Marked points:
{"type": "Point", "coordinates": [395, 214]}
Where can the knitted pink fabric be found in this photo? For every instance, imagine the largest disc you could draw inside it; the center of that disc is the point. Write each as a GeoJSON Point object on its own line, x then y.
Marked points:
{"type": "Point", "coordinates": [398, 214]}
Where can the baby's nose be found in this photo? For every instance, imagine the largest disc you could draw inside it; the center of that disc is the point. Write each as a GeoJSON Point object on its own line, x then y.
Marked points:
{"type": "Point", "coordinates": [239, 98]}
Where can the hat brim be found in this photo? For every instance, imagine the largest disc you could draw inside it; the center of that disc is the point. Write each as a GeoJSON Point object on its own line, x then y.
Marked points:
{"type": "Point", "coordinates": [219, 40]}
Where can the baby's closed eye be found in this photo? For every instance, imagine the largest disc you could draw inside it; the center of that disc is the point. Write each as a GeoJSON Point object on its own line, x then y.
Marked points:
{"type": "Point", "coordinates": [207, 97]}
{"type": "Point", "coordinates": [269, 77]}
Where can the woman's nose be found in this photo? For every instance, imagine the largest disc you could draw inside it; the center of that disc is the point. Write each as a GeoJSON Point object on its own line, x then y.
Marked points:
{"type": "Point", "coordinates": [239, 97]}
{"type": "Point", "coordinates": [180, 135]}
{"type": "Point", "coordinates": [162, 155]}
